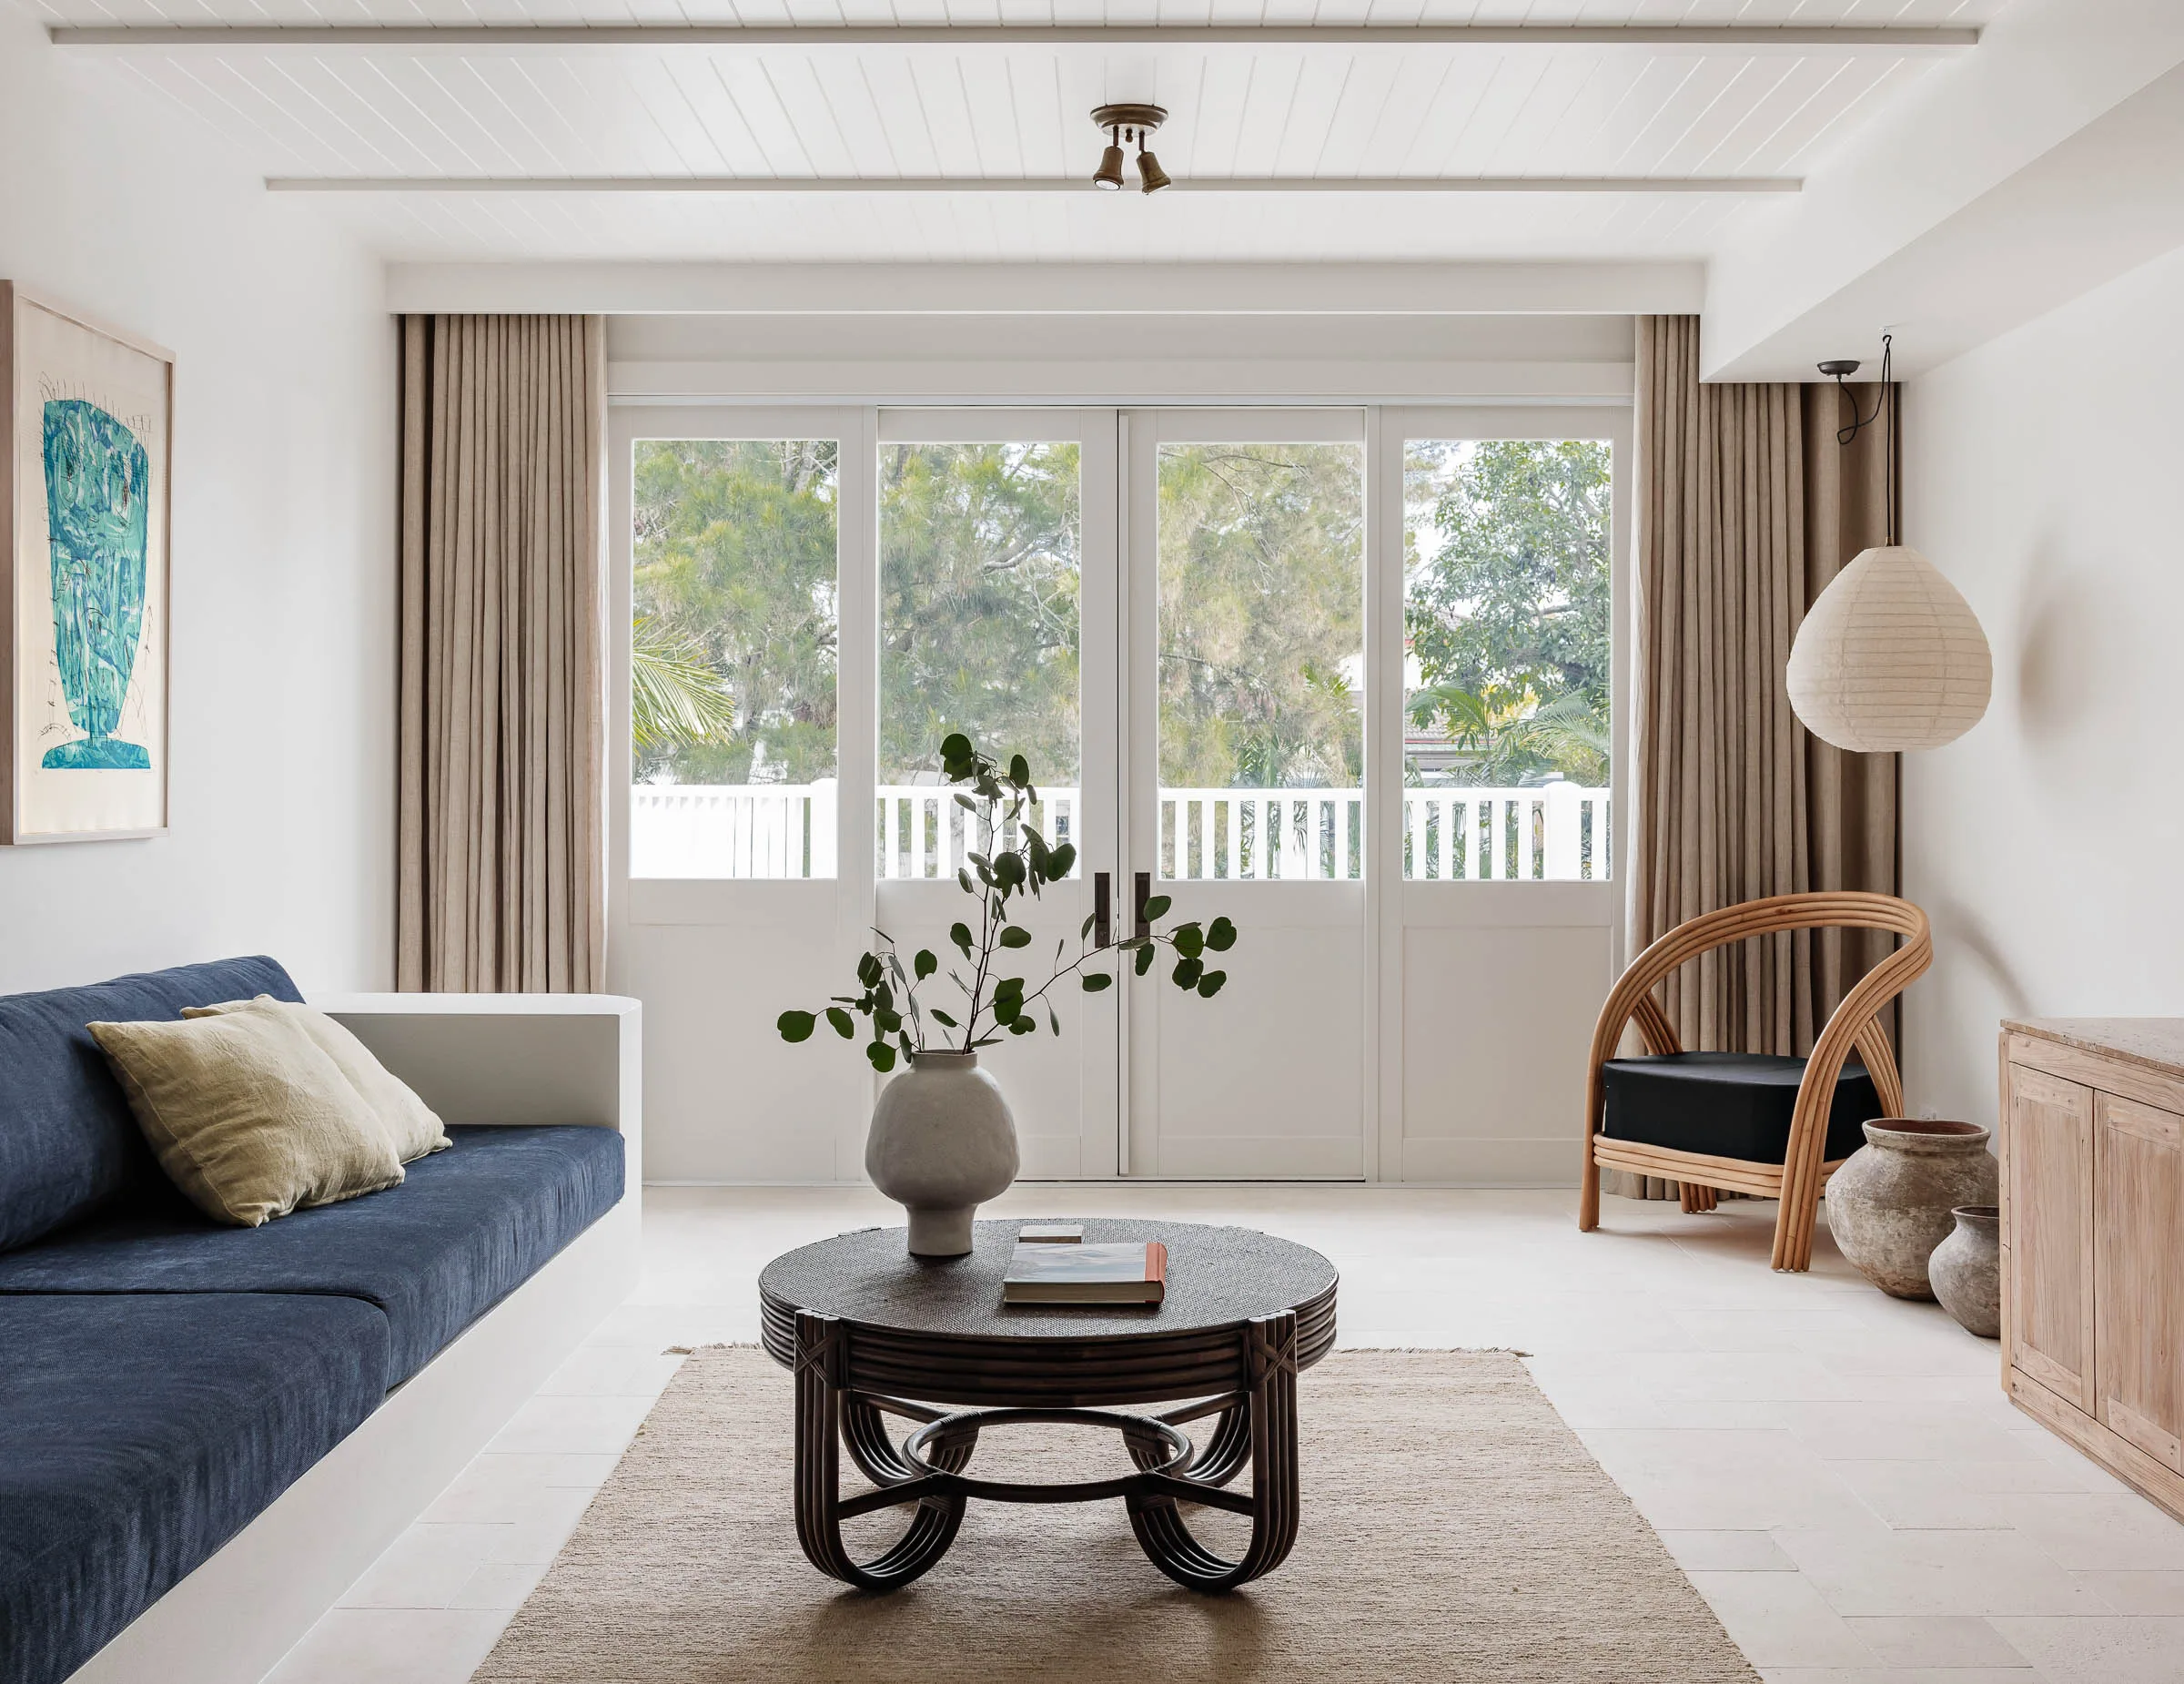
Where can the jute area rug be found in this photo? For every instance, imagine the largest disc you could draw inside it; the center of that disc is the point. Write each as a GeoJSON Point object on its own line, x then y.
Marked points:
{"type": "Point", "coordinates": [1453, 1529]}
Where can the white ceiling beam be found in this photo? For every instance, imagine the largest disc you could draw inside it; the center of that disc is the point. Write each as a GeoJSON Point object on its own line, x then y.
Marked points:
{"type": "Point", "coordinates": [1049, 288]}
{"type": "Point", "coordinates": [1641, 185]}
{"type": "Point", "coordinates": [1899, 41]}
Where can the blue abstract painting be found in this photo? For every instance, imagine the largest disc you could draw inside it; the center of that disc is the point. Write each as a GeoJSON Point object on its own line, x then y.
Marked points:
{"type": "Point", "coordinates": [98, 505]}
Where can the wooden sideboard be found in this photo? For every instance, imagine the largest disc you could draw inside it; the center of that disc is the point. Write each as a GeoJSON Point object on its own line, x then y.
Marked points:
{"type": "Point", "coordinates": [2092, 1149]}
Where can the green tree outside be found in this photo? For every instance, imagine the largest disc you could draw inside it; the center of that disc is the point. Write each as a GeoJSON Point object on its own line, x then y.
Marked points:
{"type": "Point", "coordinates": [1262, 552]}
{"type": "Point", "coordinates": [1507, 607]}
{"type": "Point", "coordinates": [735, 571]}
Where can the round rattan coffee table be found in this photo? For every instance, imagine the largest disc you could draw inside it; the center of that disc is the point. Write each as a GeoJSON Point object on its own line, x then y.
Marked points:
{"type": "Point", "coordinates": [871, 1332]}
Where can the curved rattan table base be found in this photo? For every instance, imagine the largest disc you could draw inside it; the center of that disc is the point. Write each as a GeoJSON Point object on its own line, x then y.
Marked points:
{"type": "Point", "coordinates": [1256, 1426]}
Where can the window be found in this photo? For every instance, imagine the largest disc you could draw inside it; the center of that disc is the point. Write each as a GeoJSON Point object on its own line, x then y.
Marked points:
{"type": "Point", "coordinates": [978, 633]}
{"type": "Point", "coordinates": [1262, 658]}
{"type": "Point", "coordinates": [732, 658]}
{"type": "Point", "coordinates": [1507, 631]}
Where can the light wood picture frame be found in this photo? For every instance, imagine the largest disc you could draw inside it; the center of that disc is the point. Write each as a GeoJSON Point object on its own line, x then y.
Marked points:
{"type": "Point", "coordinates": [86, 448]}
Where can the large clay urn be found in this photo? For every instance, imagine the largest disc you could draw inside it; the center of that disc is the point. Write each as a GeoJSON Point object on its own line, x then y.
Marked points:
{"type": "Point", "coordinates": [942, 1142]}
{"type": "Point", "coordinates": [1889, 1206]}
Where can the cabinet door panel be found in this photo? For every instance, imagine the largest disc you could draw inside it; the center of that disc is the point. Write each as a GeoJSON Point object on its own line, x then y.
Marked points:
{"type": "Point", "coordinates": [2051, 1232]}
{"type": "Point", "coordinates": [2138, 1274]}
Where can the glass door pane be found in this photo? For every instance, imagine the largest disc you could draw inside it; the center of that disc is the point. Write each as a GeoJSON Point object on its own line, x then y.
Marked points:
{"type": "Point", "coordinates": [733, 657]}
{"type": "Point", "coordinates": [983, 613]}
{"type": "Point", "coordinates": [1508, 728]}
{"type": "Point", "coordinates": [1262, 661]}
{"type": "Point", "coordinates": [979, 633]}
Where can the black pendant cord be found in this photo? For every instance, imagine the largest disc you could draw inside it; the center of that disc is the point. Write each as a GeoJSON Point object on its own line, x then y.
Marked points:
{"type": "Point", "coordinates": [1858, 423]}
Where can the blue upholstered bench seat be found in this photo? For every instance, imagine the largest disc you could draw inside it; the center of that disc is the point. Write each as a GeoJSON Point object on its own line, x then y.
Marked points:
{"type": "Point", "coordinates": [138, 1434]}
{"type": "Point", "coordinates": [467, 1227]}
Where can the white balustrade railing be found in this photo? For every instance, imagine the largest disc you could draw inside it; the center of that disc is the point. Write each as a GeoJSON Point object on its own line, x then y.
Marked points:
{"type": "Point", "coordinates": [732, 830]}
{"type": "Point", "coordinates": [924, 831]}
{"type": "Point", "coordinates": [1556, 832]}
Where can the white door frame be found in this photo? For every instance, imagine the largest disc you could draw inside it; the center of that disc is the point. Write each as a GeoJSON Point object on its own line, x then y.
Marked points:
{"type": "Point", "coordinates": [1400, 905]}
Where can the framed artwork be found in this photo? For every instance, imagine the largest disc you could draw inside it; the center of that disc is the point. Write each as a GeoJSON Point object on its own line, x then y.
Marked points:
{"type": "Point", "coordinates": [85, 445]}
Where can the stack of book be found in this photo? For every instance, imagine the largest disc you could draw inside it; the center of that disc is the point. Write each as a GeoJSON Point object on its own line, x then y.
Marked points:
{"type": "Point", "coordinates": [1052, 1265]}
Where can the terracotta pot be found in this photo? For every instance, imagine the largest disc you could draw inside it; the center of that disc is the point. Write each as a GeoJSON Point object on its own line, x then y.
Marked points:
{"type": "Point", "coordinates": [943, 1142]}
{"type": "Point", "coordinates": [1889, 1206]}
{"type": "Point", "coordinates": [1967, 1269]}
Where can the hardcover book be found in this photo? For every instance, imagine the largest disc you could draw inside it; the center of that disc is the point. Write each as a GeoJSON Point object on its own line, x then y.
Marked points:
{"type": "Point", "coordinates": [1050, 1233]}
{"type": "Point", "coordinates": [1080, 1274]}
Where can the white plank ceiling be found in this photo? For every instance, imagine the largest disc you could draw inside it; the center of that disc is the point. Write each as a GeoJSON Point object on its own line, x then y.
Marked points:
{"type": "Point", "coordinates": [882, 112]}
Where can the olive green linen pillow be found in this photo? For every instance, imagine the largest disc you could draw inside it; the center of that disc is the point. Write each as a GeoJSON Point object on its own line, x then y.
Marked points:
{"type": "Point", "coordinates": [246, 1116]}
{"type": "Point", "coordinates": [413, 1126]}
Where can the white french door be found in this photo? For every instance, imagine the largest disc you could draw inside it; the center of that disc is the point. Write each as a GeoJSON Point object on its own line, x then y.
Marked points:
{"type": "Point", "coordinates": [1248, 538]}
{"type": "Point", "coordinates": [1200, 626]}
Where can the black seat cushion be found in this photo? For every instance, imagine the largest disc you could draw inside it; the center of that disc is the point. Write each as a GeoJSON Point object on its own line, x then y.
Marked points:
{"type": "Point", "coordinates": [1728, 1104]}
{"type": "Point", "coordinates": [468, 1227]}
{"type": "Point", "coordinates": [139, 1431]}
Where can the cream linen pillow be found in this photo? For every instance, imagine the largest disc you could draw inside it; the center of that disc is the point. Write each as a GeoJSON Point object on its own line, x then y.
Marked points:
{"type": "Point", "coordinates": [409, 1123]}
{"type": "Point", "coordinates": [246, 1116]}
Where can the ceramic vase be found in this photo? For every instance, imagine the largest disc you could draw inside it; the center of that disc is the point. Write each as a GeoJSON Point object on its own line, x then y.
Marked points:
{"type": "Point", "coordinates": [1888, 1206]}
{"type": "Point", "coordinates": [1967, 1269]}
{"type": "Point", "coordinates": [943, 1142]}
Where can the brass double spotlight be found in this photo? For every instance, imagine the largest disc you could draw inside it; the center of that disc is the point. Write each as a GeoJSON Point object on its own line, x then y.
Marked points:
{"type": "Point", "coordinates": [1125, 123]}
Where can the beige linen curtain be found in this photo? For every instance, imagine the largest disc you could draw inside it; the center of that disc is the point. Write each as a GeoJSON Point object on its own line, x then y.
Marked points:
{"type": "Point", "coordinates": [500, 863]}
{"type": "Point", "coordinates": [1747, 507]}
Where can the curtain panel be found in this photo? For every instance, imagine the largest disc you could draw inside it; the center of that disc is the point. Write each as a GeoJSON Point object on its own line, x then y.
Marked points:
{"type": "Point", "coordinates": [501, 856]}
{"type": "Point", "coordinates": [1747, 508]}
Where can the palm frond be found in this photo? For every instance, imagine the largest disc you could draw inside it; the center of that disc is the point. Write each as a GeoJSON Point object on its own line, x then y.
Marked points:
{"type": "Point", "coordinates": [675, 695]}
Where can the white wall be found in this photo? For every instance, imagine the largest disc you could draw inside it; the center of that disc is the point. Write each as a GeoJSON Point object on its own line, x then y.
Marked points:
{"type": "Point", "coordinates": [282, 706]}
{"type": "Point", "coordinates": [2042, 478]}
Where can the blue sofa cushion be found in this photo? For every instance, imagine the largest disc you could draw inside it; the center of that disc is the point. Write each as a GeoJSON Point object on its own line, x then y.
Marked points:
{"type": "Point", "coordinates": [68, 1144]}
{"type": "Point", "coordinates": [468, 1227]}
{"type": "Point", "coordinates": [137, 1435]}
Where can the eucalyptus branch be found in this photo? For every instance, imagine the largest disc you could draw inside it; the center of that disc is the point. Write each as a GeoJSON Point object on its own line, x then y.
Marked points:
{"type": "Point", "coordinates": [996, 799]}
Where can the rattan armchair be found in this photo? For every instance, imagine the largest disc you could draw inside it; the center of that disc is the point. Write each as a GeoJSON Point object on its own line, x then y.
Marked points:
{"type": "Point", "coordinates": [1798, 1179]}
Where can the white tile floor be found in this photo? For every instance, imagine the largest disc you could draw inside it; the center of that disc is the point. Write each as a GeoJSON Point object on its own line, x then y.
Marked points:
{"type": "Point", "coordinates": [1837, 1471]}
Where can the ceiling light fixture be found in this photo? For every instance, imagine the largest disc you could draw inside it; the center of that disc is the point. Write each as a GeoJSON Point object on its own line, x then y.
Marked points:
{"type": "Point", "coordinates": [1889, 657]}
{"type": "Point", "coordinates": [1127, 123]}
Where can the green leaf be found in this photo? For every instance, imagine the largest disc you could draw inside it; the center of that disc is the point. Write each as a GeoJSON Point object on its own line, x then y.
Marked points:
{"type": "Point", "coordinates": [1187, 972]}
{"type": "Point", "coordinates": [1210, 983]}
{"type": "Point", "coordinates": [1059, 860]}
{"type": "Point", "coordinates": [1019, 770]}
{"type": "Point", "coordinates": [963, 877]}
{"type": "Point", "coordinates": [926, 963]}
{"type": "Point", "coordinates": [1157, 907]}
{"type": "Point", "coordinates": [1054, 1020]}
{"type": "Point", "coordinates": [887, 1022]}
{"type": "Point", "coordinates": [1189, 940]}
{"type": "Point", "coordinates": [870, 971]}
{"type": "Point", "coordinates": [960, 934]}
{"type": "Point", "coordinates": [966, 803]}
{"type": "Point", "coordinates": [955, 746]}
{"type": "Point", "coordinates": [1015, 936]}
{"type": "Point", "coordinates": [1009, 869]}
{"type": "Point", "coordinates": [843, 1025]}
{"type": "Point", "coordinates": [1144, 958]}
{"type": "Point", "coordinates": [1094, 980]}
{"type": "Point", "coordinates": [883, 997]}
{"type": "Point", "coordinates": [943, 1018]}
{"type": "Point", "coordinates": [797, 1025]}
{"type": "Point", "coordinates": [1085, 928]}
{"type": "Point", "coordinates": [1220, 935]}
{"type": "Point", "coordinates": [882, 1056]}
{"type": "Point", "coordinates": [1025, 1025]}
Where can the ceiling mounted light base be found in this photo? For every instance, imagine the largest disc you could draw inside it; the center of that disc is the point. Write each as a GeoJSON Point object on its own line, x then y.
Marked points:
{"type": "Point", "coordinates": [1144, 118]}
{"type": "Point", "coordinates": [1128, 122]}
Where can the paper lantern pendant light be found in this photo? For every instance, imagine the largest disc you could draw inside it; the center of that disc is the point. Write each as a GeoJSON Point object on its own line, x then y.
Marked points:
{"type": "Point", "coordinates": [1890, 657]}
